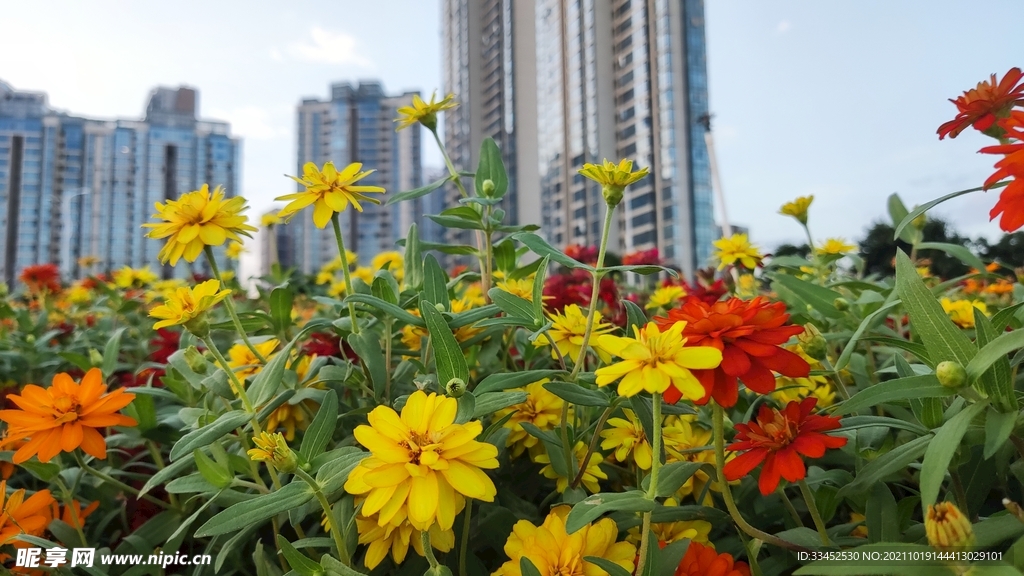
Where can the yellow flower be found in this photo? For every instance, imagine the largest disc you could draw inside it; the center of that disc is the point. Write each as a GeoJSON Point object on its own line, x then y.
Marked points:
{"type": "Point", "coordinates": [329, 191]}
{"type": "Point", "coordinates": [186, 305]}
{"type": "Point", "coordinates": [324, 277]}
{"type": "Point", "coordinates": [627, 436]}
{"type": "Point", "coordinates": [365, 274]}
{"type": "Point", "coordinates": [198, 219]}
{"type": "Point", "coordinates": [961, 312]}
{"type": "Point", "coordinates": [473, 295]}
{"type": "Point", "coordinates": [541, 408]}
{"type": "Point", "coordinates": [396, 539]}
{"type": "Point", "coordinates": [834, 247]}
{"type": "Point", "coordinates": [79, 294]}
{"type": "Point", "coordinates": [665, 297]}
{"type": "Point", "coordinates": [274, 450]}
{"type": "Point", "coordinates": [613, 178]}
{"type": "Point", "coordinates": [424, 112]}
{"type": "Point", "coordinates": [947, 527]}
{"type": "Point", "coordinates": [393, 261]}
{"type": "Point", "coordinates": [862, 530]}
{"type": "Point", "coordinates": [163, 289]}
{"type": "Point", "coordinates": [746, 286]}
{"type": "Point", "coordinates": [669, 532]}
{"type": "Point", "coordinates": [592, 474]}
{"type": "Point", "coordinates": [687, 442]}
{"type": "Point", "coordinates": [128, 277]}
{"type": "Point", "coordinates": [790, 389]}
{"type": "Point", "coordinates": [234, 250]}
{"type": "Point", "coordinates": [290, 417]}
{"type": "Point", "coordinates": [522, 288]}
{"type": "Point", "coordinates": [244, 362]}
{"type": "Point", "coordinates": [270, 220]}
{"type": "Point", "coordinates": [797, 208]}
{"type": "Point", "coordinates": [554, 552]}
{"type": "Point", "coordinates": [421, 464]}
{"type": "Point", "coordinates": [337, 289]}
{"type": "Point", "coordinates": [736, 249]}
{"type": "Point", "coordinates": [88, 261]}
{"type": "Point", "coordinates": [654, 360]}
{"type": "Point", "coordinates": [567, 332]}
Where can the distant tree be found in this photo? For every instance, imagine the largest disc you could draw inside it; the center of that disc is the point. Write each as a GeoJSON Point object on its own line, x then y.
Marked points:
{"type": "Point", "coordinates": [1009, 250]}
{"type": "Point", "coordinates": [790, 250]}
{"type": "Point", "coordinates": [878, 249]}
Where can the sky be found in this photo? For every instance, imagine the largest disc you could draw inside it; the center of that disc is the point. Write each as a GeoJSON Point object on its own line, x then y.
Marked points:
{"type": "Point", "coordinates": [838, 99]}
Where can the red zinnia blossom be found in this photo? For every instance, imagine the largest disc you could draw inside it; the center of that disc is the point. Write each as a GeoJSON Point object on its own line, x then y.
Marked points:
{"type": "Point", "coordinates": [642, 258]}
{"type": "Point", "coordinates": [701, 560]}
{"type": "Point", "coordinates": [1011, 199]}
{"type": "Point", "coordinates": [41, 277]}
{"type": "Point", "coordinates": [778, 438]}
{"type": "Point", "coordinates": [709, 293]}
{"type": "Point", "coordinates": [749, 333]}
{"type": "Point", "coordinates": [981, 106]}
{"type": "Point", "coordinates": [322, 344]}
{"type": "Point", "coordinates": [164, 344]}
{"type": "Point", "coordinates": [584, 254]}
{"type": "Point", "coordinates": [575, 287]}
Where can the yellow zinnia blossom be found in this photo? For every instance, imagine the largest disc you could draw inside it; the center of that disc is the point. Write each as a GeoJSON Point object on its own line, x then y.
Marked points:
{"type": "Point", "coordinates": [234, 250]}
{"type": "Point", "coordinates": [522, 287]}
{"type": "Point", "coordinates": [198, 219]}
{"type": "Point", "coordinates": [79, 294]}
{"type": "Point", "coordinates": [290, 417]}
{"type": "Point", "coordinates": [270, 220]}
{"type": "Point", "coordinates": [669, 532]}
{"type": "Point", "coordinates": [746, 286]}
{"type": "Point", "coordinates": [329, 191]}
{"type": "Point", "coordinates": [687, 442]}
{"type": "Point", "coordinates": [627, 436]}
{"type": "Point", "coordinates": [274, 450]}
{"type": "Point", "coordinates": [961, 312]}
{"type": "Point", "coordinates": [613, 178]}
{"type": "Point", "coordinates": [665, 297]}
{"type": "Point", "coordinates": [834, 247]}
{"type": "Point", "coordinates": [392, 260]}
{"type": "Point", "coordinates": [424, 112]}
{"type": "Point", "coordinates": [244, 362]}
{"type": "Point", "coordinates": [187, 304]}
{"type": "Point", "coordinates": [128, 277]}
{"type": "Point", "coordinates": [797, 208]}
{"type": "Point", "coordinates": [653, 360]}
{"type": "Point", "coordinates": [366, 275]}
{"type": "Point", "coordinates": [947, 527]}
{"type": "Point", "coordinates": [396, 539]}
{"type": "Point", "coordinates": [591, 475]}
{"type": "Point", "coordinates": [789, 389]}
{"type": "Point", "coordinates": [736, 249]}
{"type": "Point", "coordinates": [567, 331]}
{"type": "Point", "coordinates": [541, 408]}
{"type": "Point", "coordinates": [555, 552]}
{"type": "Point", "coordinates": [421, 464]}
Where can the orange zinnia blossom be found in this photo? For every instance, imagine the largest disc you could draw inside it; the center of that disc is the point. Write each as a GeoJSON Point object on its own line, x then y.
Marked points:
{"type": "Point", "coordinates": [65, 416]}
{"type": "Point", "coordinates": [778, 438]}
{"type": "Point", "coordinates": [749, 333]}
{"type": "Point", "coordinates": [22, 516]}
{"type": "Point", "coordinates": [41, 277]}
{"type": "Point", "coordinates": [701, 560]}
{"type": "Point", "coordinates": [74, 515]}
{"type": "Point", "coordinates": [981, 106]}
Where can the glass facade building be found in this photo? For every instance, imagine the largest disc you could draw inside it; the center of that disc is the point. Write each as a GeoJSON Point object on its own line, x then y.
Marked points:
{"type": "Point", "coordinates": [72, 187]}
{"type": "Point", "coordinates": [589, 80]}
{"type": "Point", "coordinates": [356, 125]}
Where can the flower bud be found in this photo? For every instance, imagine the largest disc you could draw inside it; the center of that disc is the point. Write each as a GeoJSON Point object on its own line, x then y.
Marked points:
{"type": "Point", "coordinates": [612, 194]}
{"type": "Point", "coordinates": [919, 222]}
{"type": "Point", "coordinates": [30, 338]}
{"type": "Point", "coordinates": [947, 527]}
{"type": "Point", "coordinates": [95, 358]}
{"type": "Point", "coordinates": [841, 304]}
{"type": "Point", "coordinates": [812, 342]}
{"type": "Point", "coordinates": [274, 450]}
{"type": "Point", "coordinates": [199, 326]}
{"type": "Point", "coordinates": [488, 187]}
{"type": "Point", "coordinates": [455, 387]}
{"type": "Point", "coordinates": [439, 307]}
{"type": "Point", "coordinates": [429, 121]}
{"type": "Point", "coordinates": [951, 374]}
{"type": "Point", "coordinates": [195, 360]}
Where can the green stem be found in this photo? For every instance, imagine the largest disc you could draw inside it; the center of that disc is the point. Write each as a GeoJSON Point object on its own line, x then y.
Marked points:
{"type": "Point", "coordinates": [566, 448]}
{"type": "Point", "coordinates": [595, 291]}
{"type": "Point", "coordinates": [115, 482]}
{"type": "Point", "coordinates": [652, 488]}
{"type": "Point", "coordinates": [451, 167]}
{"type": "Point", "coordinates": [428, 550]}
{"type": "Point", "coordinates": [645, 542]}
{"type": "Point", "coordinates": [805, 491]}
{"type": "Point", "coordinates": [238, 386]}
{"type": "Point", "coordinates": [230, 305]}
{"type": "Point", "coordinates": [467, 518]}
{"type": "Point", "coordinates": [593, 444]}
{"type": "Point", "coordinates": [788, 504]}
{"type": "Point", "coordinates": [730, 504]}
{"type": "Point", "coordinates": [387, 360]}
{"type": "Point", "coordinates": [158, 459]}
{"type": "Point", "coordinates": [334, 528]}
{"type": "Point", "coordinates": [344, 269]}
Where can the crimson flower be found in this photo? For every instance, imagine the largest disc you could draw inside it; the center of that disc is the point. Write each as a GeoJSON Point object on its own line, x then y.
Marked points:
{"type": "Point", "coordinates": [584, 254]}
{"type": "Point", "coordinates": [164, 343]}
{"type": "Point", "coordinates": [701, 560]}
{"type": "Point", "coordinates": [777, 438]}
{"type": "Point", "coordinates": [1011, 200]}
{"type": "Point", "coordinates": [982, 106]}
{"type": "Point", "coordinates": [322, 344]}
{"type": "Point", "coordinates": [642, 258]}
{"type": "Point", "coordinates": [575, 287]}
{"type": "Point", "coordinates": [749, 333]}
{"type": "Point", "coordinates": [41, 278]}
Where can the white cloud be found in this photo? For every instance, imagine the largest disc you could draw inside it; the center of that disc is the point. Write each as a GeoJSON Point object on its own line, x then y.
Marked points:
{"type": "Point", "coordinates": [783, 27]}
{"type": "Point", "coordinates": [330, 48]}
{"type": "Point", "coordinates": [250, 122]}
{"type": "Point", "coordinates": [276, 55]}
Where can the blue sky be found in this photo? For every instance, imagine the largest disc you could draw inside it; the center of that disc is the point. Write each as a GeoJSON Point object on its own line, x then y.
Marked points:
{"type": "Point", "coordinates": [838, 99]}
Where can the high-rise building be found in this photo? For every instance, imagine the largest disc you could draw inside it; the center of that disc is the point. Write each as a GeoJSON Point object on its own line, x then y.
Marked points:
{"type": "Point", "coordinates": [559, 83]}
{"type": "Point", "coordinates": [357, 125]}
{"type": "Point", "coordinates": [72, 187]}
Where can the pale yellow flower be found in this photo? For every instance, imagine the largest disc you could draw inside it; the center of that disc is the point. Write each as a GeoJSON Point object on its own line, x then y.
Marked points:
{"type": "Point", "coordinates": [736, 249]}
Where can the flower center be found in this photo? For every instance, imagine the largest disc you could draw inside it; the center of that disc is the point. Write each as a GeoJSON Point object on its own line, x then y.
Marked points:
{"type": "Point", "coordinates": [66, 408]}
{"type": "Point", "coordinates": [780, 430]}
{"type": "Point", "coordinates": [422, 449]}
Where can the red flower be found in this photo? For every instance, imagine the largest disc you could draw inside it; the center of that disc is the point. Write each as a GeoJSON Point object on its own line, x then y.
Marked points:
{"type": "Point", "coordinates": [642, 258]}
{"type": "Point", "coordinates": [164, 344]}
{"type": "Point", "coordinates": [982, 106]}
{"type": "Point", "coordinates": [701, 560]}
{"type": "Point", "coordinates": [1011, 206]}
{"type": "Point", "coordinates": [41, 278]}
{"type": "Point", "coordinates": [322, 344]}
{"type": "Point", "coordinates": [778, 438]}
{"type": "Point", "coordinates": [584, 254]}
{"type": "Point", "coordinates": [575, 287]}
{"type": "Point", "coordinates": [1011, 200]}
{"type": "Point", "coordinates": [749, 333]}
{"type": "Point", "coordinates": [709, 293]}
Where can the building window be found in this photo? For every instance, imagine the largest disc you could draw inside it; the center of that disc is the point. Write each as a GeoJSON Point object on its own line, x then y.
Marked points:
{"type": "Point", "coordinates": [644, 238]}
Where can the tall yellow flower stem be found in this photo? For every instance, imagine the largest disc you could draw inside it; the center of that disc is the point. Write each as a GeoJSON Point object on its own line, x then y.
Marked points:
{"type": "Point", "coordinates": [652, 488]}
{"type": "Point", "coordinates": [230, 305]}
{"type": "Point", "coordinates": [595, 291]}
{"type": "Point", "coordinates": [718, 424]}
{"type": "Point", "coordinates": [344, 269]}
{"type": "Point", "coordinates": [326, 506]}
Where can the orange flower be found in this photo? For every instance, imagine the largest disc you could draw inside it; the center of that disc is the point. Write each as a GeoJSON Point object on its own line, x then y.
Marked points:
{"type": "Point", "coordinates": [73, 515]}
{"type": "Point", "coordinates": [65, 416]}
{"type": "Point", "coordinates": [749, 333]}
{"type": "Point", "coordinates": [701, 560]}
{"type": "Point", "coordinates": [778, 438]}
{"type": "Point", "coordinates": [981, 106]}
{"type": "Point", "coordinates": [22, 516]}
{"type": "Point", "coordinates": [41, 278]}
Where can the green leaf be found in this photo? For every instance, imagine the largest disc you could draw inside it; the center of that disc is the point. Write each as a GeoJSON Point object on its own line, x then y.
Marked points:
{"type": "Point", "coordinates": [193, 483]}
{"type": "Point", "coordinates": [593, 507]}
{"type": "Point", "coordinates": [491, 402]}
{"type": "Point", "coordinates": [256, 511]}
{"type": "Point", "coordinates": [918, 350]}
{"type": "Point", "coordinates": [1001, 319]}
{"type": "Point", "coordinates": [332, 474]}
{"type": "Point", "coordinates": [929, 205]}
{"type": "Point", "coordinates": [997, 381]}
{"type": "Point", "coordinates": [553, 445]}
{"type": "Point", "coordinates": [457, 222]}
{"type": "Point", "coordinates": [210, 433]}
{"type": "Point", "coordinates": [940, 452]}
{"type": "Point", "coordinates": [612, 568]}
{"type": "Point", "coordinates": [955, 250]}
{"type": "Point", "coordinates": [336, 568]}
{"type": "Point", "coordinates": [506, 380]}
{"type": "Point", "coordinates": [674, 474]}
{"type": "Point", "coordinates": [926, 386]}
{"type": "Point", "coordinates": [642, 269]}
{"type": "Point", "coordinates": [413, 262]}
{"type": "Point", "coordinates": [542, 248]}
{"type": "Point", "coordinates": [211, 471]}
{"type": "Point", "coordinates": [321, 429]}
{"type": "Point", "coordinates": [505, 255]}
{"type": "Point", "coordinates": [435, 283]}
{"type": "Point", "coordinates": [111, 351]}
{"type": "Point", "coordinates": [898, 211]}
{"type": "Point", "coordinates": [490, 168]}
{"type": "Point", "coordinates": [172, 470]}
{"type": "Point", "coordinates": [538, 288]}
{"type": "Point", "coordinates": [366, 345]}
{"type": "Point", "coordinates": [576, 394]}
{"type": "Point", "coordinates": [994, 351]}
{"type": "Point", "coordinates": [299, 562]}
{"type": "Point", "coordinates": [927, 319]}
{"type": "Point", "coordinates": [392, 310]}
{"type": "Point", "coordinates": [266, 384]}
{"type": "Point", "coordinates": [527, 568]}
{"type": "Point", "coordinates": [889, 463]}
{"type": "Point", "coordinates": [281, 299]}
{"type": "Point", "coordinates": [881, 515]}
{"type": "Point", "coordinates": [417, 192]}
{"type": "Point", "coordinates": [856, 422]}
{"type": "Point", "coordinates": [513, 305]}
{"type": "Point", "coordinates": [866, 324]}
{"type": "Point", "coordinates": [819, 298]}
{"type": "Point", "coordinates": [448, 356]}
{"type": "Point", "coordinates": [635, 316]}
{"type": "Point", "coordinates": [998, 427]}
